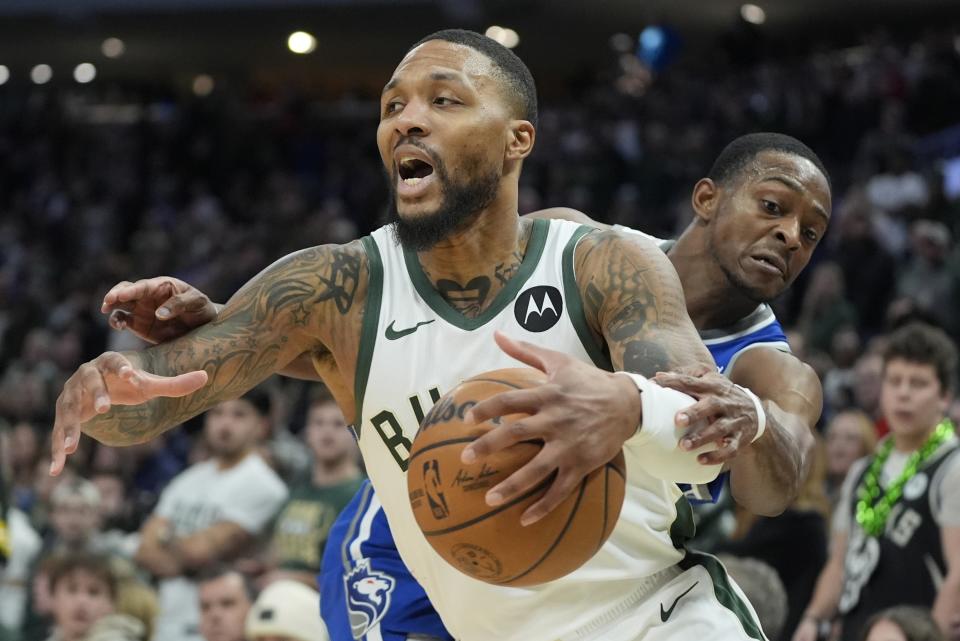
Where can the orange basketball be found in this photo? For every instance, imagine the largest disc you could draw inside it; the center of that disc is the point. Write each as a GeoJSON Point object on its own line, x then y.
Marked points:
{"type": "Point", "coordinates": [488, 543]}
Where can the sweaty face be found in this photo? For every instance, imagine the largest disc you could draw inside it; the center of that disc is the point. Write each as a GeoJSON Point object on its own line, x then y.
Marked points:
{"type": "Point", "coordinates": [80, 599]}
{"type": "Point", "coordinates": [911, 397]}
{"type": "Point", "coordinates": [442, 138]}
{"type": "Point", "coordinates": [223, 608]}
{"type": "Point", "coordinates": [769, 219]}
{"type": "Point", "coordinates": [233, 426]}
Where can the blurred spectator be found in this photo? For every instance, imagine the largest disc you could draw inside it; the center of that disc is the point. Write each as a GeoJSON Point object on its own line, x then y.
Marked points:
{"type": "Point", "coordinates": [301, 528]}
{"type": "Point", "coordinates": [24, 457]}
{"type": "Point", "coordinates": [896, 528]}
{"type": "Point", "coordinates": [225, 598]}
{"type": "Point", "coordinates": [902, 623]}
{"type": "Point", "coordinates": [83, 592]}
{"type": "Point", "coordinates": [925, 278]}
{"type": "Point", "coordinates": [764, 590]}
{"type": "Point", "coordinates": [281, 449]}
{"type": "Point", "coordinates": [25, 545]}
{"type": "Point", "coordinates": [867, 377]}
{"type": "Point", "coordinates": [850, 437]}
{"type": "Point", "coordinates": [286, 611]}
{"type": "Point", "coordinates": [794, 543]}
{"type": "Point", "coordinates": [192, 530]}
{"type": "Point", "coordinates": [825, 308]}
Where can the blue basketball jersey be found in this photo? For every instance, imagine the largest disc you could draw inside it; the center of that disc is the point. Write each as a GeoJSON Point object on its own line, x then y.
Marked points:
{"type": "Point", "coordinates": [366, 591]}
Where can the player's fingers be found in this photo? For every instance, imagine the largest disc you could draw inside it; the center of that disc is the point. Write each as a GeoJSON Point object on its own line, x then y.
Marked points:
{"type": "Point", "coordinates": [703, 411]}
{"type": "Point", "coordinates": [93, 389]}
{"type": "Point", "coordinates": [704, 432]}
{"type": "Point", "coordinates": [171, 386]}
{"type": "Point", "coordinates": [500, 437]}
{"type": "Point", "coordinates": [545, 360]}
{"type": "Point", "coordinates": [697, 369]}
{"type": "Point", "coordinates": [563, 484]}
{"type": "Point", "coordinates": [110, 298]}
{"type": "Point", "coordinates": [526, 401]}
{"type": "Point", "coordinates": [66, 428]}
{"type": "Point", "coordinates": [692, 385]}
{"type": "Point", "coordinates": [138, 290]}
{"type": "Point", "coordinates": [530, 478]}
{"type": "Point", "coordinates": [722, 454]}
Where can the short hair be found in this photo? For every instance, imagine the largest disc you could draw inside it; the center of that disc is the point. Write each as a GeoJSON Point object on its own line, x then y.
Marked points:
{"type": "Point", "coordinates": [764, 590]}
{"type": "Point", "coordinates": [77, 490]}
{"type": "Point", "coordinates": [259, 397]}
{"type": "Point", "coordinates": [741, 152]}
{"type": "Point", "coordinates": [220, 570]}
{"type": "Point", "coordinates": [514, 74]}
{"type": "Point", "coordinates": [924, 344]}
{"type": "Point", "coordinates": [916, 623]}
{"type": "Point", "coordinates": [99, 565]}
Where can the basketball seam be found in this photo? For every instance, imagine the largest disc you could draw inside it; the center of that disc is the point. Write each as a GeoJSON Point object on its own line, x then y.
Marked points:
{"type": "Point", "coordinates": [433, 446]}
{"type": "Point", "coordinates": [485, 515]}
{"type": "Point", "coordinates": [616, 469]}
{"type": "Point", "coordinates": [606, 507]}
{"type": "Point", "coordinates": [556, 541]}
{"type": "Point", "coordinates": [495, 380]}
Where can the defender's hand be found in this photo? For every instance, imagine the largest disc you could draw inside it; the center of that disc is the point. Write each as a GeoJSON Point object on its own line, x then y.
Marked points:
{"type": "Point", "coordinates": [582, 414]}
{"type": "Point", "coordinates": [723, 413]}
{"type": "Point", "coordinates": [110, 379]}
{"type": "Point", "coordinates": [157, 309]}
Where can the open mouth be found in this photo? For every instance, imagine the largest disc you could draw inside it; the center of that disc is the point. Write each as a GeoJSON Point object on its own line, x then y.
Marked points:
{"type": "Point", "coordinates": [413, 170]}
{"type": "Point", "coordinates": [770, 264]}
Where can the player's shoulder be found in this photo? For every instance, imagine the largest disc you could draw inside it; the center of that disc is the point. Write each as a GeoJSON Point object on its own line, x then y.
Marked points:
{"type": "Point", "coordinates": [601, 246]}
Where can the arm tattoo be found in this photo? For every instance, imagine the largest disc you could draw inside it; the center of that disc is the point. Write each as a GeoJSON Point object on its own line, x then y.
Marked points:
{"type": "Point", "coordinates": [633, 298]}
{"type": "Point", "coordinates": [295, 305]}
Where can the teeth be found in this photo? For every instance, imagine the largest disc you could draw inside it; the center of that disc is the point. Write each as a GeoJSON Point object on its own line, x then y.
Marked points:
{"type": "Point", "coordinates": [412, 181]}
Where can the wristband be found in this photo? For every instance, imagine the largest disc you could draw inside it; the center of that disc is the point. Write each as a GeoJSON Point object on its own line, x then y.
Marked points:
{"type": "Point", "coordinates": [761, 414]}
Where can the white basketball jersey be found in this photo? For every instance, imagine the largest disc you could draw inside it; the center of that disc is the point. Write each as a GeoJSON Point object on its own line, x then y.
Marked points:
{"type": "Point", "coordinates": [414, 348]}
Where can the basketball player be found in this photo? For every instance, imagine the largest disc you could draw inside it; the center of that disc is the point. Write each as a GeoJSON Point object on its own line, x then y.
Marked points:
{"type": "Point", "coordinates": [457, 122]}
{"type": "Point", "coordinates": [742, 333]}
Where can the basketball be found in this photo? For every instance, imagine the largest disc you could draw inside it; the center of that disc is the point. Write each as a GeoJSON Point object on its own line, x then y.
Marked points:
{"type": "Point", "coordinates": [489, 543]}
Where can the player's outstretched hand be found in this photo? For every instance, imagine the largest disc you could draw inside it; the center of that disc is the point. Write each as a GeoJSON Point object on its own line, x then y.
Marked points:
{"type": "Point", "coordinates": [110, 379]}
{"type": "Point", "coordinates": [582, 414]}
{"type": "Point", "coordinates": [723, 414]}
{"type": "Point", "coordinates": [157, 309]}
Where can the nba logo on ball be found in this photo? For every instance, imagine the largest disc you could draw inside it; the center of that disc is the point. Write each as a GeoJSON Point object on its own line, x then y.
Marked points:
{"type": "Point", "coordinates": [538, 308]}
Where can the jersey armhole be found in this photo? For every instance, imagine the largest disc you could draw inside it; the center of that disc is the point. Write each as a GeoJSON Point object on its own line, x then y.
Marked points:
{"type": "Point", "coordinates": [368, 327]}
{"type": "Point", "coordinates": [598, 354]}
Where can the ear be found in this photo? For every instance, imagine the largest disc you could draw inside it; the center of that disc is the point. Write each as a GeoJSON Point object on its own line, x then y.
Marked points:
{"type": "Point", "coordinates": [705, 199]}
{"type": "Point", "coordinates": [521, 137]}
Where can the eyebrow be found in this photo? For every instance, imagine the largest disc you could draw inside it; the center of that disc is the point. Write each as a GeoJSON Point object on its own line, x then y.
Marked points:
{"type": "Point", "coordinates": [793, 185]}
{"type": "Point", "coordinates": [436, 76]}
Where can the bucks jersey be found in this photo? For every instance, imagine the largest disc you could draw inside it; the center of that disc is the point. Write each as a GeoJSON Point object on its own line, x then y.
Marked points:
{"type": "Point", "coordinates": [415, 348]}
{"type": "Point", "coordinates": [368, 592]}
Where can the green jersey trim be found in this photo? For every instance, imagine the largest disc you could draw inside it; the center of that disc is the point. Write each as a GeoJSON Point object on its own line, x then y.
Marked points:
{"type": "Point", "coordinates": [535, 246]}
{"type": "Point", "coordinates": [575, 302]}
{"type": "Point", "coordinates": [368, 327]}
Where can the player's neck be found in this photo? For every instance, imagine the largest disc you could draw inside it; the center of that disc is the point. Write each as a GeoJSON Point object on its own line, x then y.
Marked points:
{"type": "Point", "coordinates": [471, 267]}
{"type": "Point", "coordinates": [711, 300]}
{"type": "Point", "coordinates": [327, 474]}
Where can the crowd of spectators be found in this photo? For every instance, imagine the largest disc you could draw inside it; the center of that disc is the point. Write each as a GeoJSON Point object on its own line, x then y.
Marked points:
{"type": "Point", "coordinates": [103, 185]}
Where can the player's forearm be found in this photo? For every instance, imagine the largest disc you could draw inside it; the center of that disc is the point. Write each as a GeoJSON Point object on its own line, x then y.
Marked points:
{"type": "Point", "coordinates": [947, 604]}
{"type": "Point", "coordinates": [766, 476]}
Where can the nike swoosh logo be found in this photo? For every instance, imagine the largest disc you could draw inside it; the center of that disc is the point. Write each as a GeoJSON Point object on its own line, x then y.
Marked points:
{"type": "Point", "coordinates": [393, 334]}
{"type": "Point", "coordinates": [665, 614]}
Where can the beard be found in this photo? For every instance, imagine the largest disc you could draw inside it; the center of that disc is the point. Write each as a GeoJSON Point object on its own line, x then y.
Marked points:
{"type": "Point", "coordinates": [460, 205]}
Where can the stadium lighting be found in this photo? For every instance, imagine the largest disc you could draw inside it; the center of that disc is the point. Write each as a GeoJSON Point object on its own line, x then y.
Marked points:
{"type": "Point", "coordinates": [4, 74]}
{"type": "Point", "coordinates": [507, 37]}
{"type": "Point", "coordinates": [753, 14]}
{"type": "Point", "coordinates": [41, 74]}
{"type": "Point", "coordinates": [113, 47]}
{"type": "Point", "coordinates": [203, 85]}
{"type": "Point", "coordinates": [84, 73]}
{"type": "Point", "coordinates": [301, 42]}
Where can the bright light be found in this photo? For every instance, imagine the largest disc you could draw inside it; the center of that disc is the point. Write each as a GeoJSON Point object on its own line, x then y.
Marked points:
{"type": "Point", "coordinates": [507, 37]}
{"type": "Point", "coordinates": [84, 73]}
{"type": "Point", "coordinates": [41, 74]}
{"type": "Point", "coordinates": [113, 47]}
{"type": "Point", "coordinates": [4, 74]}
{"type": "Point", "coordinates": [621, 42]}
{"type": "Point", "coordinates": [652, 38]}
{"type": "Point", "coordinates": [753, 14]}
{"type": "Point", "coordinates": [301, 42]}
{"type": "Point", "coordinates": [203, 85]}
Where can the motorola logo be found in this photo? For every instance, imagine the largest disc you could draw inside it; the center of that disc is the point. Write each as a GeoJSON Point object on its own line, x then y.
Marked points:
{"type": "Point", "coordinates": [538, 308]}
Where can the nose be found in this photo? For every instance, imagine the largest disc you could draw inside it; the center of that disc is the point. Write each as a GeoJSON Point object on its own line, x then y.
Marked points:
{"type": "Point", "coordinates": [788, 233]}
{"type": "Point", "coordinates": [413, 120]}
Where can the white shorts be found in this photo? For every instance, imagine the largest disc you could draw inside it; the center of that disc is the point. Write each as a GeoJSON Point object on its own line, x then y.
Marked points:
{"type": "Point", "coordinates": [696, 601]}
